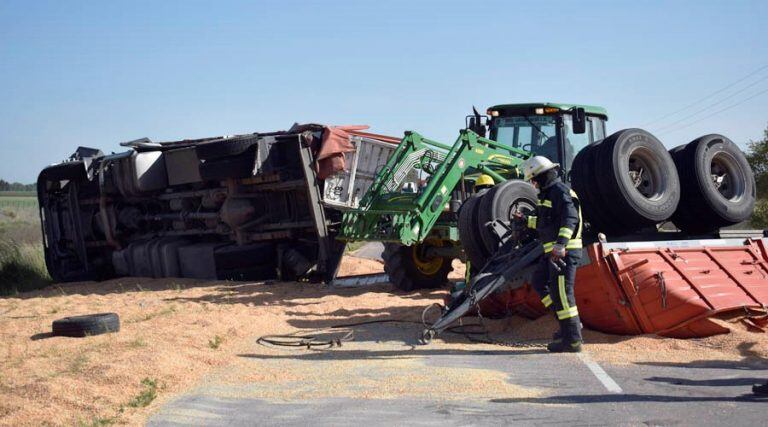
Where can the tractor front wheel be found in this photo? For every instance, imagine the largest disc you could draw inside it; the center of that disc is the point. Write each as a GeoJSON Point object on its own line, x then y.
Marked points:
{"type": "Point", "coordinates": [410, 268]}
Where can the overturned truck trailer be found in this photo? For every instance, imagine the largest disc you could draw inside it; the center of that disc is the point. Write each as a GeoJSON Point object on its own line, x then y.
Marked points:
{"type": "Point", "coordinates": [255, 206]}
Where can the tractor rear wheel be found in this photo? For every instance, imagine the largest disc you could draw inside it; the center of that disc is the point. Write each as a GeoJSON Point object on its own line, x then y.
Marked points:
{"type": "Point", "coordinates": [410, 268]}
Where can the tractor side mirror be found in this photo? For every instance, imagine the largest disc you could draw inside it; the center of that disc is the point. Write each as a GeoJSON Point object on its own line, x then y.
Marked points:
{"type": "Point", "coordinates": [579, 120]}
{"type": "Point", "coordinates": [475, 123]}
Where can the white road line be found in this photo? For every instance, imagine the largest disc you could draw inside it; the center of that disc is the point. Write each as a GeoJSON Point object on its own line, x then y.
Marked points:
{"type": "Point", "coordinates": [600, 373]}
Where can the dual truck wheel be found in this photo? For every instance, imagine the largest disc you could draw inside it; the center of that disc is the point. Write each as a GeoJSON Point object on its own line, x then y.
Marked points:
{"type": "Point", "coordinates": [629, 181]}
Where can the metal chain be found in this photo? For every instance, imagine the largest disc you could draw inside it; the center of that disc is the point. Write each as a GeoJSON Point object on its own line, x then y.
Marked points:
{"type": "Point", "coordinates": [487, 335]}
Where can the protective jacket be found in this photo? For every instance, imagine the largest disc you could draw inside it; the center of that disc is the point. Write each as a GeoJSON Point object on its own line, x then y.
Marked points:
{"type": "Point", "coordinates": [558, 217]}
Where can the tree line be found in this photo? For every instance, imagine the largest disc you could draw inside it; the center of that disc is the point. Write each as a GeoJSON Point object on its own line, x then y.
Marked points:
{"type": "Point", "coordinates": [15, 186]}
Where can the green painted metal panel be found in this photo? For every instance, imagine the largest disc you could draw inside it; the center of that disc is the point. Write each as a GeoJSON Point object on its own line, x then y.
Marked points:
{"type": "Point", "coordinates": [391, 212]}
{"type": "Point", "coordinates": [527, 108]}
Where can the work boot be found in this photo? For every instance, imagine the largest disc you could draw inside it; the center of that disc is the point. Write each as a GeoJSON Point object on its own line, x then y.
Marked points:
{"type": "Point", "coordinates": [564, 347]}
{"type": "Point", "coordinates": [570, 337]}
{"type": "Point", "coordinates": [760, 390]}
{"type": "Point", "coordinates": [558, 335]}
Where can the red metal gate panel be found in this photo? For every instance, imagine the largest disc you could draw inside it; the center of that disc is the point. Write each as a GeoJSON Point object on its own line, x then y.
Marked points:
{"type": "Point", "coordinates": [672, 291]}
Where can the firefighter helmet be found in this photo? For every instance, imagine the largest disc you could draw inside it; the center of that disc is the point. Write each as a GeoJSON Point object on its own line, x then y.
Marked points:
{"type": "Point", "coordinates": [537, 165]}
{"type": "Point", "coordinates": [484, 181]}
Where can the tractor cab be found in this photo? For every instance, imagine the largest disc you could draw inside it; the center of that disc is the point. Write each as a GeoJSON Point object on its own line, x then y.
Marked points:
{"type": "Point", "coordinates": [556, 131]}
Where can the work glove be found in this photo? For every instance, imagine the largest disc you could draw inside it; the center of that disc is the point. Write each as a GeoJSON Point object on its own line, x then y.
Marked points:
{"type": "Point", "coordinates": [558, 251]}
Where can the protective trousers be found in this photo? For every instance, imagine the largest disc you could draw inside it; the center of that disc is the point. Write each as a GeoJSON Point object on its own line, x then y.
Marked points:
{"type": "Point", "coordinates": [556, 291]}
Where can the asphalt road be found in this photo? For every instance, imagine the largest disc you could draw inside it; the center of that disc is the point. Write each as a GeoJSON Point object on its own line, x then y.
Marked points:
{"type": "Point", "coordinates": [370, 250]}
{"type": "Point", "coordinates": [574, 390]}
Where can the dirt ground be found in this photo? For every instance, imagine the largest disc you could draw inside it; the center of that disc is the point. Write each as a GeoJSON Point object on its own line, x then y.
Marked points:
{"type": "Point", "coordinates": [176, 333]}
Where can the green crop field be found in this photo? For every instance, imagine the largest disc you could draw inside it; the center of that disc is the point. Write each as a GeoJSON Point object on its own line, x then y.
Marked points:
{"type": "Point", "coordinates": [15, 207]}
{"type": "Point", "coordinates": [14, 201]}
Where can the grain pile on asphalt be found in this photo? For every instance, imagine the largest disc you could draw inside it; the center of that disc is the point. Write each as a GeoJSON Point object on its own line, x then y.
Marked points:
{"type": "Point", "coordinates": [178, 334]}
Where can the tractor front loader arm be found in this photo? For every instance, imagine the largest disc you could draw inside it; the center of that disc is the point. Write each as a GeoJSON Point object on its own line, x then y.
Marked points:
{"type": "Point", "coordinates": [391, 212]}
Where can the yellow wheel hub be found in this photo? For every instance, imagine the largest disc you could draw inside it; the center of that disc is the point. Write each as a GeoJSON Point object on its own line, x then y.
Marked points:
{"type": "Point", "coordinates": [427, 266]}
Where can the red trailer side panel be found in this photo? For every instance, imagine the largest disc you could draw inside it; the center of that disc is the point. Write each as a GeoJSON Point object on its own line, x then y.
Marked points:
{"type": "Point", "coordinates": [666, 288]}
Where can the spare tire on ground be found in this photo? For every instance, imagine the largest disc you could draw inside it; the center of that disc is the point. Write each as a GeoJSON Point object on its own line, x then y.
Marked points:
{"type": "Point", "coordinates": [500, 203]}
{"type": "Point", "coordinates": [633, 184]}
{"type": "Point", "coordinates": [86, 325]}
{"type": "Point", "coordinates": [717, 184]}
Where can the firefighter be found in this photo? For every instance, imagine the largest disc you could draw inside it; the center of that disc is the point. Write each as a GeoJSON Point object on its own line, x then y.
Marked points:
{"type": "Point", "coordinates": [558, 225]}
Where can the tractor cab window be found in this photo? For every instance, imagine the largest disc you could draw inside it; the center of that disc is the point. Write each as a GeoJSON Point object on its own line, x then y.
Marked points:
{"type": "Point", "coordinates": [596, 127]}
{"type": "Point", "coordinates": [574, 142]}
{"type": "Point", "coordinates": [537, 134]}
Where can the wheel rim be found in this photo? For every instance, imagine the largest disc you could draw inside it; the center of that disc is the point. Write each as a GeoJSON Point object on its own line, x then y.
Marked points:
{"type": "Point", "coordinates": [645, 175]}
{"type": "Point", "coordinates": [520, 205]}
{"type": "Point", "coordinates": [727, 176]}
{"type": "Point", "coordinates": [526, 208]}
{"type": "Point", "coordinates": [426, 265]}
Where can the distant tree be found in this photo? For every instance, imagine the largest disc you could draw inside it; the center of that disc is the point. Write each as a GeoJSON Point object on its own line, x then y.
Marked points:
{"type": "Point", "coordinates": [758, 160]}
{"type": "Point", "coordinates": [15, 186]}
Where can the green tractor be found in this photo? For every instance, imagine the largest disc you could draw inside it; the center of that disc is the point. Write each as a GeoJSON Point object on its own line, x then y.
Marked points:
{"type": "Point", "coordinates": [431, 203]}
{"type": "Point", "coordinates": [425, 204]}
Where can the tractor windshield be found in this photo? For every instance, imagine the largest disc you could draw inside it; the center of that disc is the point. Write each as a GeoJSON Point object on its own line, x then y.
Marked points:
{"type": "Point", "coordinates": [536, 134]}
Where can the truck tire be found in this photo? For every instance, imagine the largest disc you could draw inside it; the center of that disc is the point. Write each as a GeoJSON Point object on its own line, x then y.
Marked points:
{"type": "Point", "coordinates": [638, 182]}
{"type": "Point", "coordinates": [499, 204]}
{"type": "Point", "coordinates": [225, 147]}
{"type": "Point", "coordinates": [584, 183]}
{"type": "Point", "coordinates": [86, 325]}
{"type": "Point", "coordinates": [717, 184]}
{"type": "Point", "coordinates": [468, 232]}
{"type": "Point", "coordinates": [409, 269]}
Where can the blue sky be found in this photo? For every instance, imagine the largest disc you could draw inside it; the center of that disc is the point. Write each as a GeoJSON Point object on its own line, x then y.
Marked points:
{"type": "Point", "coordinates": [96, 73]}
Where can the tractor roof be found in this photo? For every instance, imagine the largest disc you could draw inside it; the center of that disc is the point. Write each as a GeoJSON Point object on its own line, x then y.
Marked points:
{"type": "Point", "coordinates": [528, 108]}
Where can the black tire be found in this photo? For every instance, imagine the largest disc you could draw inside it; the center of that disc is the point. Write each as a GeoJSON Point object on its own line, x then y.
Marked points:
{"type": "Point", "coordinates": [401, 264]}
{"type": "Point", "coordinates": [584, 184]}
{"type": "Point", "coordinates": [225, 147]}
{"type": "Point", "coordinates": [638, 182]}
{"type": "Point", "coordinates": [86, 325]}
{"type": "Point", "coordinates": [468, 233]}
{"type": "Point", "coordinates": [230, 167]}
{"type": "Point", "coordinates": [706, 205]}
{"type": "Point", "coordinates": [499, 203]}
